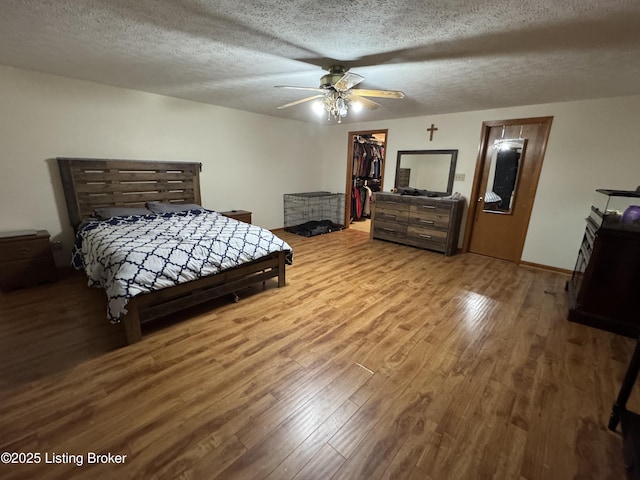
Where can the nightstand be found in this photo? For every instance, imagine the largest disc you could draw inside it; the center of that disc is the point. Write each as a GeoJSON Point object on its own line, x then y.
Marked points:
{"type": "Point", "coordinates": [26, 260]}
{"type": "Point", "coordinates": [240, 215]}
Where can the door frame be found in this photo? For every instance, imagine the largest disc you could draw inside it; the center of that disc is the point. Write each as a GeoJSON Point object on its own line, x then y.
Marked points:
{"type": "Point", "coordinates": [347, 202]}
{"type": "Point", "coordinates": [477, 176]}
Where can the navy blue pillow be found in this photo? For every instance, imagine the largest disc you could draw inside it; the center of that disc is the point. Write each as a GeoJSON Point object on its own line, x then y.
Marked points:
{"type": "Point", "coordinates": [157, 207]}
{"type": "Point", "coordinates": [104, 213]}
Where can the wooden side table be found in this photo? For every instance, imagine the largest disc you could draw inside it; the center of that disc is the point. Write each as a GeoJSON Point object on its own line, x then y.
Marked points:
{"type": "Point", "coordinates": [26, 260]}
{"type": "Point", "coordinates": [240, 215]}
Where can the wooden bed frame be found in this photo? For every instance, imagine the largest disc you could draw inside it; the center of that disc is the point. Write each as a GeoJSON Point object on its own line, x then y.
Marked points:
{"type": "Point", "coordinates": [92, 183]}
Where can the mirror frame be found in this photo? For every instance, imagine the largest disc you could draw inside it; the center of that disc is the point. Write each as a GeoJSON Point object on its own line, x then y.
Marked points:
{"type": "Point", "coordinates": [452, 166]}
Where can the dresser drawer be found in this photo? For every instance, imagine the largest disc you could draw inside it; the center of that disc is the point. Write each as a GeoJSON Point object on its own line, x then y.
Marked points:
{"type": "Point", "coordinates": [430, 219]}
{"type": "Point", "coordinates": [393, 204]}
{"type": "Point", "coordinates": [430, 234]}
{"type": "Point", "coordinates": [389, 230]}
{"type": "Point", "coordinates": [427, 238]}
{"type": "Point", "coordinates": [442, 208]}
{"type": "Point", "coordinates": [24, 248]}
{"type": "Point", "coordinates": [393, 215]}
{"type": "Point", "coordinates": [390, 209]}
{"type": "Point", "coordinates": [27, 273]}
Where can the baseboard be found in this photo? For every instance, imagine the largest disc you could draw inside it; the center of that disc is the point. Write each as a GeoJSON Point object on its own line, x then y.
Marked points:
{"type": "Point", "coordinates": [546, 267]}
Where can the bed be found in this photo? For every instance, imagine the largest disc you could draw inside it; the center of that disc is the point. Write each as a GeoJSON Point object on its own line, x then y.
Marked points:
{"type": "Point", "coordinates": [93, 184]}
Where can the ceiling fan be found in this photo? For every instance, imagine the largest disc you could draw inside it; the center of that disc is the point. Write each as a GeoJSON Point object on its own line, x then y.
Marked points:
{"type": "Point", "coordinates": [336, 93]}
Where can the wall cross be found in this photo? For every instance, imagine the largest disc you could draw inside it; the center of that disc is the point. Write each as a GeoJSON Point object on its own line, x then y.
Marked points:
{"type": "Point", "coordinates": [431, 130]}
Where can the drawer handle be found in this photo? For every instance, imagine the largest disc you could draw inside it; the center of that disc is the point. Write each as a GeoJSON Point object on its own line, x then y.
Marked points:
{"type": "Point", "coordinates": [427, 206]}
{"type": "Point", "coordinates": [430, 222]}
{"type": "Point", "coordinates": [23, 250]}
{"type": "Point", "coordinates": [425, 235]}
{"type": "Point", "coordinates": [389, 201]}
{"type": "Point", "coordinates": [388, 229]}
{"type": "Point", "coordinates": [388, 216]}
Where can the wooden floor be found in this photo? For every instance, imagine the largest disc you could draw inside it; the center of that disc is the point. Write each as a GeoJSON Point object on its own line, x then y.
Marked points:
{"type": "Point", "coordinates": [361, 225]}
{"type": "Point", "coordinates": [375, 361]}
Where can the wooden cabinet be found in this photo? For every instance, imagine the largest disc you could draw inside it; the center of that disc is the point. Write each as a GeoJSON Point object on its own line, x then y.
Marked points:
{"type": "Point", "coordinates": [426, 222]}
{"type": "Point", "coordinates": [25, 260]}
{"type": "Point", "coordinates": [240, 215]}
{"type": "Point", "coordinates": [603, 289]}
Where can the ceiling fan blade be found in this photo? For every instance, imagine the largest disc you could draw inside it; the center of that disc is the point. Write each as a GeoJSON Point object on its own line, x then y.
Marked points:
{"type": "Point", "coordinates": [365, 102]}
{"type": "Point", "coordinates": [307, 99]}
{"type": "Point", "coordinates": [378, 93]}
{"type": "Point", "coordinates": [311, 89]}
{"type": "Point", "coordinates": [347, 81]}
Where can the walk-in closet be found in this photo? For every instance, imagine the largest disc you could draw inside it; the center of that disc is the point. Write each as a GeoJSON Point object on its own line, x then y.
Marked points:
{"type": "Point", "coordinates": [367, 152]}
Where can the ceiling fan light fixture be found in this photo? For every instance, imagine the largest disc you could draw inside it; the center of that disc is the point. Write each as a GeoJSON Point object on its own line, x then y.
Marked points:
{"type": "Point", "coordinates": [335, 105]}
{"type": "Point", "coordinates": [336, 94]}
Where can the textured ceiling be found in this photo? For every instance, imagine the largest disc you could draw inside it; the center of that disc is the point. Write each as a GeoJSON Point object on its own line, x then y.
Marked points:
{"type": "Point", "coordinates": [446, 55]}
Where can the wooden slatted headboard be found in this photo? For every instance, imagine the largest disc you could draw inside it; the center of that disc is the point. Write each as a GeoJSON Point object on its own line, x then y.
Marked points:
{"type": "Point", "coordinates": [90, 183]}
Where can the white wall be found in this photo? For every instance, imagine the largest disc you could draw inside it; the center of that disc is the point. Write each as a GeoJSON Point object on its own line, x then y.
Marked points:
{"type": "Point", "coordinates": [249, 161]}
{"type": "Point", "coordinates": [593, 144]}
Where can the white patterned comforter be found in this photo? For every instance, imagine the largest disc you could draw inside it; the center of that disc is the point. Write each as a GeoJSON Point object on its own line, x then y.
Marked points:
{"type": "Point", "coordinates": [128, 256]}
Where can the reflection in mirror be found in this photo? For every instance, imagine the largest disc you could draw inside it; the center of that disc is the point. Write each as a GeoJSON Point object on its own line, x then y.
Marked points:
{"type": "Point", "coordinates": [503, 175]}
{"type": "Point", "coordinates": [431, 170]}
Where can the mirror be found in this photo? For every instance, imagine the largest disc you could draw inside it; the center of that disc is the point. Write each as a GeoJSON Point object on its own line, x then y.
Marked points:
{"type": "Point", "coordinates": [431, 170]}
{"type": "Point", "coordinates": [504, 171]}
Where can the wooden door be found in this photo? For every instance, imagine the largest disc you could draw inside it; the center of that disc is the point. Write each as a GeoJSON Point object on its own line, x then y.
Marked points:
{"type": "Point", "coordinates": [501, 232]}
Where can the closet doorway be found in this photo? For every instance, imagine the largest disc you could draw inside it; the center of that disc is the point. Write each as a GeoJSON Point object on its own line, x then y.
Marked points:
{"type": "Point", "coordinates": [504, 186]}
{"type": "Point", "coordinates": [366, 159]}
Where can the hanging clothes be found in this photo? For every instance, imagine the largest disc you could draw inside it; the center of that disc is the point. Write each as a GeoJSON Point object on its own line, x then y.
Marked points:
{"type": "Point", "coordinates": [356, 204]}
{"type": "Point", "coordinates": [366, 210]}
{"type": "Point", "coordinates": [367, 159]}
{"type": "Point", "coordinates": [367, 168]}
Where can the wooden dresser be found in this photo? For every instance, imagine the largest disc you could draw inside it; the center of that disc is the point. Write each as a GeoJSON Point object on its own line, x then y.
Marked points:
{"type": "Point", "coordinates": [240, 215]}
{"type": "Point", "coordinates": [26, 260]}
{"type": "Point", "coordinates": [603, 289]}
{"type": "Point", "coordinates": [425, 222]}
